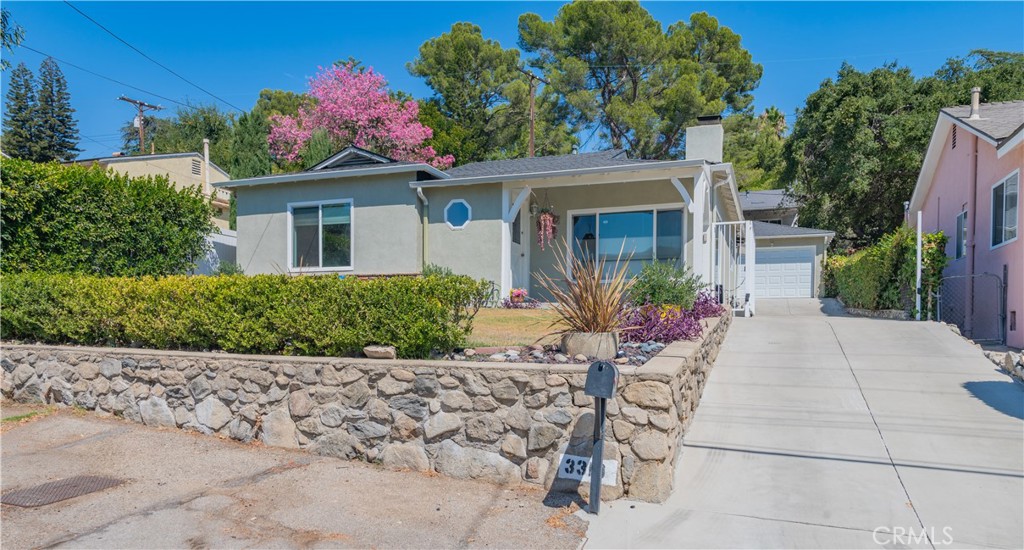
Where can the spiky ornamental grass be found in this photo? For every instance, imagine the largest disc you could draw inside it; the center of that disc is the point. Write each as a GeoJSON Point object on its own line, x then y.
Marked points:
{"type": "Point", "coordinates": [584, 298]}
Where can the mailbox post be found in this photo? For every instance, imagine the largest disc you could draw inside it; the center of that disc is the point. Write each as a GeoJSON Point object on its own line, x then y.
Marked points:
{"type": "Point", "coordinates": [602, 378]}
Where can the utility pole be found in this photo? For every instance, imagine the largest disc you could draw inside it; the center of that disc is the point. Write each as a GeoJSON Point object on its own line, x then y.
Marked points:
{"type": "Point", "coordinates": [533, 90]}
{"type": "Point", "coordinates": [140, 120]}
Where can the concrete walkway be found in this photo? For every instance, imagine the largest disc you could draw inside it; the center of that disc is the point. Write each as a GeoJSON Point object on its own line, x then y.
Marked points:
{"type": "Point", "coordinates": [818, 430]}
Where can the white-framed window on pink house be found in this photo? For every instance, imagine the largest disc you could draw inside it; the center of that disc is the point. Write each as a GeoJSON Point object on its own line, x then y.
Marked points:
{"type": "Point", "coordinates": [1004, 209]}
{"type": "Point", "coordinates": [961, 235]}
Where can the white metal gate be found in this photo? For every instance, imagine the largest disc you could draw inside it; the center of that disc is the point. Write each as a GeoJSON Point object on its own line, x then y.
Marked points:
{"type": "Point", "coordinates": [733, 265]}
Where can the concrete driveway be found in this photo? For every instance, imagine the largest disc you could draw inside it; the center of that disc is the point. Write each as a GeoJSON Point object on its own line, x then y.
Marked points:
{"type": "Point", "coordinates": [819, 430]}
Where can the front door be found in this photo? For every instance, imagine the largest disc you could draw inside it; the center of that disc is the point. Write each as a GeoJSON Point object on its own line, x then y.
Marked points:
{"type": "Point", "coordinates": [520, 253]}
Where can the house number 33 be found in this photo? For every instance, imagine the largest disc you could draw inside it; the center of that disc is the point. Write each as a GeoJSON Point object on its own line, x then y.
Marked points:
{"type": "Point", "coordinates": [576, 467]}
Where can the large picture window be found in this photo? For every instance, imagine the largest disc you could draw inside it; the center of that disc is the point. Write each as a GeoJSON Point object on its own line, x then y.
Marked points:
{"type": "Point", "coordinates": [641, 235]}
{"type": "Point", "coordinates": [1004, 209]}
{"type": "Point", "coordinates": [321, 235]}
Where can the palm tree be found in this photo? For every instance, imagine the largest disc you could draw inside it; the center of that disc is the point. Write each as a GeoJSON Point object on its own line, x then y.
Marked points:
{"type": "Point", "coordinates": [773, 119]}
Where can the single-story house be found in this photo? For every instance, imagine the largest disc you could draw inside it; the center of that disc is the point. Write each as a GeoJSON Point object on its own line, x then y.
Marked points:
{"type": "Point", "coordinates": [789, 258]}
{"type": "Point", "coordinates": [969, 188]}
{"type": "Point", "coordinates": [361, 213]}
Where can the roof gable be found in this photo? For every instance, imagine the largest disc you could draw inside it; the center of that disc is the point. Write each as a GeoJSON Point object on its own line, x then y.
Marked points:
{"type": "Point", "coordinates": [351, 156]}
{"type": "Point", "coordinates": [997, 122]}
{"type": "Point", "coordinates": [1001, 125]}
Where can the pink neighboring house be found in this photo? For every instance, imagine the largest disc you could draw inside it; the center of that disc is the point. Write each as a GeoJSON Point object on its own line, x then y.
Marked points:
{"type": "Point", "coordinates": [969, 188]}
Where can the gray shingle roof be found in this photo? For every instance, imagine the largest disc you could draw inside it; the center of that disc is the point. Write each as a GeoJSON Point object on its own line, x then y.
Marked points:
{"type": "Point", "coordinates": [765, 229]}
{"type": "Point", "coordinates": [772, 199]}
{"type": "Point", "coordinates": [999, 120]}
{"type": "Point", "coordinates": [530, 165]}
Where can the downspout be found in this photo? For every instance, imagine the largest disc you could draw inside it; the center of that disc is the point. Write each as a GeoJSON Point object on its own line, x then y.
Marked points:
{"type": "Point", "coordinates": [426, 225]}
{"type": "Point", "coordinates": [972, 215]}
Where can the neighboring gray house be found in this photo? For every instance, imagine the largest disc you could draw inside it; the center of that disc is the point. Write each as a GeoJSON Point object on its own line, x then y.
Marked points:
{"type": "Point", "coordinates": [360, 213]}
{"type": "Point", "coordinates": [789, 258]}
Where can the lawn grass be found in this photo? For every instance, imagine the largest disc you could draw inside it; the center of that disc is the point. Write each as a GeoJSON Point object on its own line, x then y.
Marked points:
{"type": "Point", "coordinates": [512, 327]}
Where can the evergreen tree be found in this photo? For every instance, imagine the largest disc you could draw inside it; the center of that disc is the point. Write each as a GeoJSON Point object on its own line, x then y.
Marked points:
{"type": "Point", "coordinates": [318, 148]}
{"type": "Point", "coordinates": [56, 128]}
{"type": "Point", "coordinates": [19, 112]}
{"type": "Point", "coordinates": [250, 152]}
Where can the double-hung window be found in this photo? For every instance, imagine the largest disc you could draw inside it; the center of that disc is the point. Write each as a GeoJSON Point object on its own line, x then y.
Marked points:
{"type": "Point", "coordinates": [1004, 209]}
{"type": "Point", "coordinates": [321, 235]}
{"type": "Point", "coordinates": [961, 235]}
{"type": "Point", "coordinates": [640, 235]}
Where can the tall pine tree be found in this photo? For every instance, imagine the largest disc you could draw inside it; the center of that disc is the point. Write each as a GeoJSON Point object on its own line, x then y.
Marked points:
{"type": "Point", "coordinates": [56, 128]}
{"type": "Point", "coordinates": [250, 152]}
{"type": "Point", "coordinates": [19, 139]}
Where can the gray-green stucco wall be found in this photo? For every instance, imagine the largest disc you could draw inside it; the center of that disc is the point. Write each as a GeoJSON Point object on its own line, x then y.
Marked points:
{"type": "Point", "coordinates": [474, 250]}
{"type": "Point", "coordinates": [386, 224]}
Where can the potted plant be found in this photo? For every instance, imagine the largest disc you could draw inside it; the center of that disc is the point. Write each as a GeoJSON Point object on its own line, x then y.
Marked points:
{"type": "Point", "coordinates": [590, 299]}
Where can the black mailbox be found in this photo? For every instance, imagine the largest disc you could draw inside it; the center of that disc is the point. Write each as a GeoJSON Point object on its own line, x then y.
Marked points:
{"type": "Point", "coordinates": [602, 377]}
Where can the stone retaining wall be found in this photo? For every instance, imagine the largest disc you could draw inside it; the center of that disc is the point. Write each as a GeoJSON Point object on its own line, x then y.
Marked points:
{"type": "Point", "coordinates": [497, 421]}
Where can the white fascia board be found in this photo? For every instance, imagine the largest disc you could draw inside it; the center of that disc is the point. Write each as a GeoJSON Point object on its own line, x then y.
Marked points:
{"type": "Point", "coordinates": [334, 174]}
{"type": "Point", "coordinates": [931, 161]}
{"type": "Point", "coordinates": [728, 169]}
{"type": "Point", "coordinates": [639, 167]}
{"type": "Point", "coordinates": [1014, 141]}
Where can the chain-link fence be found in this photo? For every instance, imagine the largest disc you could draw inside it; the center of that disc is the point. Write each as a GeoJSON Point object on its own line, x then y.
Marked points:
{"type": "Point", "coordinates": [975, 304]}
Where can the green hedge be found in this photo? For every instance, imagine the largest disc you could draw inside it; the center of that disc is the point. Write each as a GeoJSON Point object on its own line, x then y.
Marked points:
{"type": "Point", "coordinates": [77, 219]}
{"type": "Point", "coordinates": [245, 314]}
{"type": "Point", "coordinates": [883, 275]}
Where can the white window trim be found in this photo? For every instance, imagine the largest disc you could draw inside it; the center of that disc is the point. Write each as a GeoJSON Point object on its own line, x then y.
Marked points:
{"type": "Point", "coordinates": [960, 236]}
{"type": "Point", "coordinates": [352, 236]}
{"type": "Point", "coordinates": [992, 214]}
{"type": "Point", "coordinates": [469, 218]}
{"type": "Point", "coordinates": [637, 208]}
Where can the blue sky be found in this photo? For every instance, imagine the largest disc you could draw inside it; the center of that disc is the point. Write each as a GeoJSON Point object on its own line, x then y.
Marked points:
{"type": "Point", "coordinates": [235, 49]}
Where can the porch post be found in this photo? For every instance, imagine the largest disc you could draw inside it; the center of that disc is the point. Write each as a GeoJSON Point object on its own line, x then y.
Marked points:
{"type": "Point", "coordinates": [700, 257]}
{"type": "Point", "coordinates": [508, 215]}
{"type": "Point", "coordinates": [750, 268]}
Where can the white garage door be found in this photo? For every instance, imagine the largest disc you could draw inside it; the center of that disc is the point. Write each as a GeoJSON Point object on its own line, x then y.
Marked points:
{"type": "Point", "coordinates": [785, 272]}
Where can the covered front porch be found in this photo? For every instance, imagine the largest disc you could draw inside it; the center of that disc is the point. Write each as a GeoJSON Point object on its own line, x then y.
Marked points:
{"type": "Point", "coordinates": [685, 213]}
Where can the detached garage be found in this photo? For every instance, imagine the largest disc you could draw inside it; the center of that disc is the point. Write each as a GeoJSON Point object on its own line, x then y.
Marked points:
{"type": "Point", "coordinates": [788, 260]}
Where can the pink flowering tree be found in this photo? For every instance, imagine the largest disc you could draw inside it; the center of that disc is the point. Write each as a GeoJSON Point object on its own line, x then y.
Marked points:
{"type": "Point", "coordinates": [354, 107]}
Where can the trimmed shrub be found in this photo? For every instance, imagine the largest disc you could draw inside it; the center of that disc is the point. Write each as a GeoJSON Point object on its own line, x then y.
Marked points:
{"type": "Point", "coordinates": [77, 219]}
{"type": "Point", "coordinates": [270, 314]}
{"type": "Point", "coordinates": [665, 283]}
{"type": "Point", "coordinates": [883, 275]}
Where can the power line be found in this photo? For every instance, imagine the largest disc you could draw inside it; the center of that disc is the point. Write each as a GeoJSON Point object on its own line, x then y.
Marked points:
{"type": "Point", "coordinates": [143, 54]}
{"type": "Point", "coordinates": [94, 73]}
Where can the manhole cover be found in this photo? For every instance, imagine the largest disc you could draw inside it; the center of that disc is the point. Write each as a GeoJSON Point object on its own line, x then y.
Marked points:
{"type": "Point", "coordinates": [56, 491]}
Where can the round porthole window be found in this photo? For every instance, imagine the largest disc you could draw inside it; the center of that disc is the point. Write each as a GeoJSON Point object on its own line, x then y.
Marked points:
{"type": "Point", "coordinates": [457, 214]}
